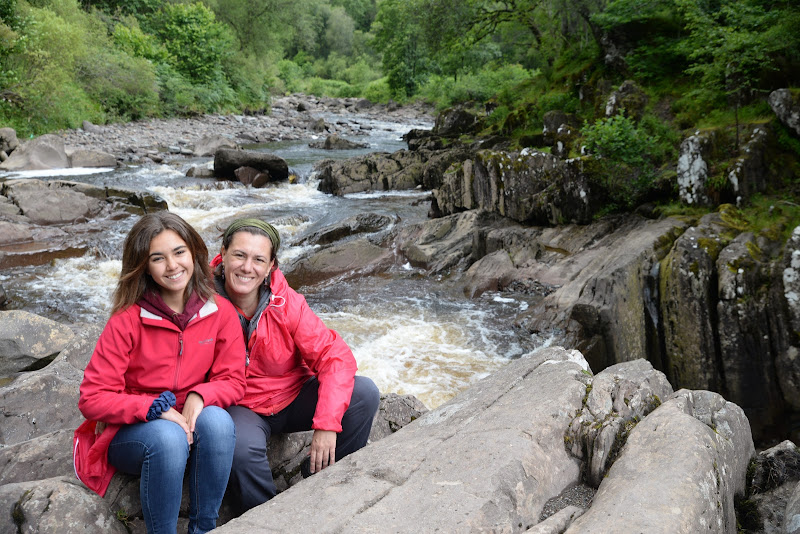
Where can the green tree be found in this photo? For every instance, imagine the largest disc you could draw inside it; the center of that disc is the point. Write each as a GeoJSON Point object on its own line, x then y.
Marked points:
{"type": "Point", "coordinates": [405, 57]}
{"type": "Point", "coordinates": [196, 42]}
{"type": "Point", "coordinates": [733, 46]}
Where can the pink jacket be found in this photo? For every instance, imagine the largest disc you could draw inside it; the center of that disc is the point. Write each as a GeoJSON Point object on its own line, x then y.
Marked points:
{"type": "Point", "coordinates": [289, 345]}
{"type": "Point", "coordinates": [140, 355]}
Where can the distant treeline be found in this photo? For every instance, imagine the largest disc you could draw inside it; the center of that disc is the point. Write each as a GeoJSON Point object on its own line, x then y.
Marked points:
{"type": "Point", "coordinates": [65, 61]}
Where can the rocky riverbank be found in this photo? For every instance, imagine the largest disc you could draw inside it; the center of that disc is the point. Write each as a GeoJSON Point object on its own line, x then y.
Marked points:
{"type": "Point", "coordinates": [687, 336]}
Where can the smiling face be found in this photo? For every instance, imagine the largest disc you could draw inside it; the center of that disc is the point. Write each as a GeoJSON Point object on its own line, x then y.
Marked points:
{"type": "Point", "coordinates": [247, 263]}
{"type": "Point", "coordinates": [171, 267]}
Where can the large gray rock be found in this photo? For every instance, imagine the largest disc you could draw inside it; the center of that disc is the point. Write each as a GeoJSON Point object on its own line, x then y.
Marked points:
{"type": "Point", "coordinates": [209, 144]}
{"type": "Point", "coordinates": [28, 341]}
{"type": "Point", "coordinates": [527, 186]}
{"type": "Point", "coordinates": [487, 460]}
{"type": "Point", "coordinates": [377, 171]}
{"type": "Point", "coordinates": [786, 105]}
{"type": "Point", "coordinates": [46, 456]}
{"type": "Point", "coordinates": [91, 158]}
{"type": "Point", "coordinates": [334, 142]}
{"type": "Point", "coordinates": [356, 257]}
{"type": "Point", "coordinates": [362, 223]}
{"type": "Point", "coordinates": [678, 473]}
{"type": "Point", "coordinates": [687, 294]}
{"type": "Point", "coordinates": [51, 202]}
{"type": "Point", "coordinates": [693, 169]}
{"type": "Point", "coordinates": [788, 359]}
{"type": "Point", "coordinates": [227, 160]}
{"type": "Point", "coordinates": [44, 152]}
{"type": "Point", "coordinates": [744, 315]}
{"type": "Point", "coordinates": [8, 140]}
{"type": "Point", "coordinates": [57, 504]}
{"type": "Point", "coordinates": [791, 521]}
{"type": "Point", "coordinates": [620, 396]}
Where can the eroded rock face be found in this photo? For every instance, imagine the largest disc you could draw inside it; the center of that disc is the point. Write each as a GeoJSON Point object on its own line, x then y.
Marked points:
{"type": "Point", "coordinates": [620, 397]}
{"type": "Point", "coordinates": [686, 296]}
{"type": "Point", "coordinates": [377, 171]}
{"type": "Point", "coordinates": [786, 105]}
{"type": "Point", "coordinates": [693, 170]}
{"type": "Point", "coordinates": [680, 469]}
{"type": "Point", "coordinates": [527, 186]}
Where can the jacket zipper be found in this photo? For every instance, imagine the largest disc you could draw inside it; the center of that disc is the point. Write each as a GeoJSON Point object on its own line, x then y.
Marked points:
{"type": "Point", "coordinates": [180, 355]}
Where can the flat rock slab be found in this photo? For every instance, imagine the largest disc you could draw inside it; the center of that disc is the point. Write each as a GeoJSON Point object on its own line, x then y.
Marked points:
{"type": "Point", "coordinates": [487, 460]}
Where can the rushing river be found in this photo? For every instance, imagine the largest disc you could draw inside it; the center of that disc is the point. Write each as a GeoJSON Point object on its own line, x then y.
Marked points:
{"type": "Point", "coordinates": [408, 332]}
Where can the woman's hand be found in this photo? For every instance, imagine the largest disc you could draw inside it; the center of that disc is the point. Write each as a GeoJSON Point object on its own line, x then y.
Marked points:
{"type": "Point", "coordinates": [176, 417]}
{"type": "Point", "coordinates": [323, 450]}
{"type": "Point", "coordinates": [191, 409]}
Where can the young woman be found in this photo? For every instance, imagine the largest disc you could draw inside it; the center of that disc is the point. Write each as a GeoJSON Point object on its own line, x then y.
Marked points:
{"type": "Point", "coordinates": [300, 374]}
{"type": "Point", "coordinates": [168, 362]}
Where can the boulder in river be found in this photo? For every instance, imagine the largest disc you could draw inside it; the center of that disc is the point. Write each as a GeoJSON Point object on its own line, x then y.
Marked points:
{"type": "Point", "coordinates": [43, 152]}
{"type": "Point", "coordinates": [28, 341]}
{"type": "Point", "coordinates": [227, 160]}
{"type": "Point", "coordinates": [334, 142]}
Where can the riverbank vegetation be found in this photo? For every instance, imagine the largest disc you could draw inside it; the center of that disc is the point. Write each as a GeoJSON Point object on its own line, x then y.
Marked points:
{"type": "Point", "coordinates": [695, 65]}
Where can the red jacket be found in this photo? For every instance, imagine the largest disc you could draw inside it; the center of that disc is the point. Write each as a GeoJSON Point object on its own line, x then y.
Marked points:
{"type": "Point", "coordinates": [289, 345]}
{"type": "Point", "coordinates": [139, 356]}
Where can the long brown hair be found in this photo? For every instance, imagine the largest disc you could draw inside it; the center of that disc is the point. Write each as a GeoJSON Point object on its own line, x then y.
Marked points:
{"type": "Point", "coordinates": [134, 279]}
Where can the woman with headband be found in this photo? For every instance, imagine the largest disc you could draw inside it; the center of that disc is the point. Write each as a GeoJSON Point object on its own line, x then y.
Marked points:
{"type": "Point", "coordinates": [300, 374]}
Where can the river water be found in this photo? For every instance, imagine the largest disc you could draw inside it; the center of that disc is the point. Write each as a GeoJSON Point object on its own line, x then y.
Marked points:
{"type": "Point", "coordinates": [409, 333]}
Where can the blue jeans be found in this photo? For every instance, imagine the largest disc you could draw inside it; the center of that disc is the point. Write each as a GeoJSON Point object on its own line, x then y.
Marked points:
{"type": "Point", "coordinates": [158, 452]}
{"type": "Point", "coordinates": [251, 481]}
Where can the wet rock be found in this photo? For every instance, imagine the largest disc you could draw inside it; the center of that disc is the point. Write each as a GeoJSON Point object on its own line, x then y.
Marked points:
{"type": "Point", "coordinates": [785, 103]}
{"type": "Point", "coordinates": [358, 257]}
{"type": "Point", "coordinates": [744, 314]}
{"type": "Point", "coordinates": [209, 144]}
{"type": "Point", "coordinates": [43, 152]}
{"type": "Point", "coordinates": [357, 224]}
{"type": "Point", "coordinates": [227, 160]}
{"type": "Point", "coordinates": [472, 464]}
{"type": "Point", "coordinates": [252, 177]}
{"type": "Point", "coordinates": [334, 142]}
{"type": "Point", "coordinates": [201, 171]}
{"type": "Point", "coordinates": [686, 296]}
{"type": "Point", "coordinates": [680, 470]}
{"type": "Point", "coordinates": [28, 341]}
{"type": "Point", "coordinates": [788, 358]}
{"type": "Point", "coordinates": [440, 244]}
{"type": "Point", "coordinates": [377, 171]}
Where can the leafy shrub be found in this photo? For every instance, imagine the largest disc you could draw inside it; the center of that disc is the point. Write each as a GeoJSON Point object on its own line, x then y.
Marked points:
{"type": "Point", "coordinates": [124, 86]}
{"type": "Point", "coordinates": [291, 74]}
{"type": "Point", "coordinates": [378, 91]}
{"type": "Point", "coordinates": [136, 43]}
{"type": "Point", "coordinates": [195, 41]}
{"type": "Point", "coordinates": [481, 85]}
{"type": "Point", "coordinates": [624, 164]}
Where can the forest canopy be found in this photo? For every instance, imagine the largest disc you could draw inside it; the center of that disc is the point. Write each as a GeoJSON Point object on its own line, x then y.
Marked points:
{"type": "Point", "coordinates": [65, 61]}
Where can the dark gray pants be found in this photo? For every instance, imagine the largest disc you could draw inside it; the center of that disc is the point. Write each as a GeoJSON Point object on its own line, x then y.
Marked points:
{"type": "Point", "coordinates": [251, 481]}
